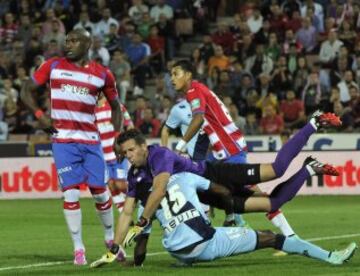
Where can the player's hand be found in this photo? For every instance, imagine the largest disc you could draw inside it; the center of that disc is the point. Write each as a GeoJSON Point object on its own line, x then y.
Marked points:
{"type": "Point", "coordinates": [107, 258]}
{"type": "Point", "coordinates": [46, 124]}
{"type": "Point", "coordinates": [132, 234]}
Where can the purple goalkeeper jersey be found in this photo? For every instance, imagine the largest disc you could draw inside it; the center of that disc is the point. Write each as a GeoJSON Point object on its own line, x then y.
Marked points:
{"type": "Point", "coordinates": [160, 160]}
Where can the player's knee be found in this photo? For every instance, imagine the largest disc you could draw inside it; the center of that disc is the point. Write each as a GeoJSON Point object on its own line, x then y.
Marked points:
{"type": "Point", "coordinates": [102, 200]}
{"type": "Point", "coordinates": [71, 195]}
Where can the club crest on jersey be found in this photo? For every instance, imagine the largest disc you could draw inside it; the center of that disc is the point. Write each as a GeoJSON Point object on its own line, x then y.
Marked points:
{"type": "Point", "coordinates": [195, 103]}
{"type": "Point", "coordinates": [75, 89]}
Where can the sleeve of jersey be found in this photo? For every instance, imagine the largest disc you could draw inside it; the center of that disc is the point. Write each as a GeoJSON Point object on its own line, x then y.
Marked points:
{"type": "Point", "coordinates": [202, 184]}
{"type": "Point", "coordinates": [110, 86]}
{"type": "Point", "coordinates": [173, 119]}
{"type": "Point", "coordinates": [197, 101]}
{"type": "Point", "coordinates": [162, 161]}
{"type": "Point", "coordinates": [42, 74]}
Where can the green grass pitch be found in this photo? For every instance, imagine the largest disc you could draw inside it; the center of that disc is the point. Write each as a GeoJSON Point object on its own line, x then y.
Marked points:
{"type": "Point", "coordinates": [34, 241]}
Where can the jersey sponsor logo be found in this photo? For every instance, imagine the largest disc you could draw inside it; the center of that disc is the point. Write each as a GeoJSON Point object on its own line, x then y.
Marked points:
{"type": "Point", "coordinates": [195, 103]}
{"type": "Point", "coordinates": [181, 218]}
{"type": "Point", "coordinates": [66, 74]}
{"type": "Point", "coordinates": [78, 90]}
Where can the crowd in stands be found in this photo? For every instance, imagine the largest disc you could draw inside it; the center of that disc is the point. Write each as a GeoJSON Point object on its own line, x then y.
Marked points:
{"type": "Point", "coordinates": [273, 64]}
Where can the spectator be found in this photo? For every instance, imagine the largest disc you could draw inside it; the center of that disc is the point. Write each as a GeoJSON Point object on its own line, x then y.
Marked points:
{"type": "Point", "coordinates": [295, 22]}
{"type": "Point", "coordinates": [269, 99]}
{"type": "Point", "coordinates": [3, 131]}
{"type": "Point", "coordinates": [244, 47]}
{"type": "Point", "coordinates": [85, 23]}
{"type": "Point", "coordinates": [138, 54]}
{"type": "Point", "coordinates": [199, 64]}
{"type": "Point", "coordinates": [167, 30]}
{"type": "Point", "coordinates": [144, 26]}
{"type": "Point", "coordinates": [112, 40]}
{"type": "Point", "coordinates": [292, 111]}
{"type": "Point", "coordinates": [271, 122]}
{"type": "Point", "coordinates": [306, 35]}
{"type": "Point", "coordinates": [121, 70]}
{"type": "Point", "coordinates": [102, 28]}
{"type": "Point", "coordinates": [347, 34]}
{"type": "Point", "coordinates": [255, 21]}
{"type": "Point", "coordinates": [165, 107]}
{"type": "Point", "coordinates": [345, 116]}
{"type": "Point", "coordinates": [224, 38]}
{"type": "Point", "coordinates": [25, 29]}
{"type": "Point", "coordinates": [273, 49]}
{"type": "Point", "coordinates": [219, 60]}
{"type": "Point", "coordinates": [53, 50]}
{"type": "Point", "coordinates": [290, 6]}
{"type": "Point", "coordinates": [281, 78]}
{"type": "Point", "coordinates": [150, 126]}
{"type": "Point", "coordinates": [318, 10]}
{"type": "Point", "coordinates": [136, 11]}
{"type": "Point", "coordinates": [330, 48]}
{"type": "Point", "coordinates": [47, 25]}
{"type": "Point", "coordinates": [224, 87]}
{"type": "Point", "coordinates": [252, 126]}
{"type": "Point", "coordinates": [301, 74]}
{"type": "Point", "coordinates": [157, 45]}
{"type": "Point", "coordinates": [311, 94]}
{"type": "Point", "coordinates": [138, 115]}
{"type": "Point", "coordinates": [99, 52]}
{"type": "Point", "coordinates": [344, 86]}
{"type": "Point", "coordinates": [239, 121]}
{"type": "Point", "coordinates": [54, 34]}
{"type": "Point", "coordinates": [207, 48]}
{"type": "Point", "coordinates": [8, 29]}
{"type": "Point", "coordinates": [168, 86]}
{"type": "Point", "coordinates": [259, 63]}
{"type": "Point", "coordinates": [161, 8]}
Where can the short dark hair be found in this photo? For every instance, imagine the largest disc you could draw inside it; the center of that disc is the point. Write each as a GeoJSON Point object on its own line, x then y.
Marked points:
{"type": "Point", "coordinates": [185, 65]}
{"type": "Point", "coordinates": [132, 134]}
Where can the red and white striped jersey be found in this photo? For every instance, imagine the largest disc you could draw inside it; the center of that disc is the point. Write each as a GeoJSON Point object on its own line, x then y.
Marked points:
{"type": "Point", "coordinates": [74, 92]}
{"type": "Point", "coordinates": [106, 129]}
{"type": "Point", "coordinates": [226, 139]}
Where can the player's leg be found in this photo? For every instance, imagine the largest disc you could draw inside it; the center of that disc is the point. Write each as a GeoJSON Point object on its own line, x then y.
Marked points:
{"type": "Point", "coordinates": [68, 160]}
{"type": "Point", "coordinates": [117, 183]}
{"type": "Point", "coordinates": [295, 245]}
{"type": "Point", "coordinates": [97, 177]}
{"type": "Point", "coordinates": [248, 174]}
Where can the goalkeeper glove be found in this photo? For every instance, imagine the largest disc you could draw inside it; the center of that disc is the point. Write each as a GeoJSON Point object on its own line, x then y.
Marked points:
{"type": "Point", "coordinates": [135, 231]}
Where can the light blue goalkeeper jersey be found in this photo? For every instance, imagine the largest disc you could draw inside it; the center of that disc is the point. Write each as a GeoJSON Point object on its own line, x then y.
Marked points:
{"type": "Point", "coordinates": [181, 214]}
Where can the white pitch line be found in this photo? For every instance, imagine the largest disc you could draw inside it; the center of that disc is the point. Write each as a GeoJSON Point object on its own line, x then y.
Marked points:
{"type": "Point", "coordinates": [160, 253]}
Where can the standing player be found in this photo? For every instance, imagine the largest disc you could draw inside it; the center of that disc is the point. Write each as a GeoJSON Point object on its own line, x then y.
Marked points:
{"type": "Point", "coordinates": [117, 171]}
{"type": "Point", "coordinates": [75, 84]}
{"type": "Point", "coordinates": [228, 143]}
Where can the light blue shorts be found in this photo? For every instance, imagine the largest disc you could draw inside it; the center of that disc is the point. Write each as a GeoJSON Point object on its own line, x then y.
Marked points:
{"type": "Point", "coordinates": [80, 163]}
{"type": "Point", "coordinates": [227, 241]}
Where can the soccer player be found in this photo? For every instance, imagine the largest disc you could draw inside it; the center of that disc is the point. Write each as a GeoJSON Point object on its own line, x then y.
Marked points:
{"type": "Point", "coordinates": [189, 237]}
{"type": "Point", "coordinates": [75, 83]}
{"type": "Point", "coordinates": [154, 165]}
{"type": "Point", "coordinates": [228, 142]}
{"type": "Point", "coordinates": [117, 171]}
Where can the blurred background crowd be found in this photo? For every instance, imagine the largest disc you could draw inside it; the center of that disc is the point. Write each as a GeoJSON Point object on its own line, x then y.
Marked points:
{"type": "Point", "coordinates": [273, 63]}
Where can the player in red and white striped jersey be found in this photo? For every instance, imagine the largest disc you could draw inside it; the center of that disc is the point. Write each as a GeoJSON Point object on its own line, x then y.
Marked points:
{"type": "Point", "coordinates": [117, 171]}
{"type": "Point", "coordinates": [211, 115]}
{"type": "Point", "coordinates": [75, 84]}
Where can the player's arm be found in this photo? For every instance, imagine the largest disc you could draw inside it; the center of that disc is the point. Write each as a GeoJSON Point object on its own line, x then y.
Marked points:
{"type": "Point", "coordinates": [124, 220]}
{"type": "Point", "coordinates": [165, 133]}
{"type": "Point", "coordinates": [157, 194]}
{"type": "Point", "coordinates": [40, 77]}
{"type": "Point", "coordinates": [111, 95]}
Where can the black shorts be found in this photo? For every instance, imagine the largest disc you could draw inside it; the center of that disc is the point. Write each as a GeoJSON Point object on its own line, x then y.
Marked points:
{"type": "Point", "coordinates": [232, 175]}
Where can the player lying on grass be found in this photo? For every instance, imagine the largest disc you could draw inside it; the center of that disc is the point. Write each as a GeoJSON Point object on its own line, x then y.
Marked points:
{"type": "Point", "coordinates": [189, 237]}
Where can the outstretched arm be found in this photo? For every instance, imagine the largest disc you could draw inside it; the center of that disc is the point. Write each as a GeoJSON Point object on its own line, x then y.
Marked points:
{"type": "Point", "coordinates": [194, 127]}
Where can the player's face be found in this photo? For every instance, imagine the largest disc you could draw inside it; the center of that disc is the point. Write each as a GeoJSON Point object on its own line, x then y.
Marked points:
{"type": "Point", "coordinates": [76, 46]}
{"type": "Point", "coordinates": [136, 154]}
{"type": "Point", "coordinates": [179, 78]}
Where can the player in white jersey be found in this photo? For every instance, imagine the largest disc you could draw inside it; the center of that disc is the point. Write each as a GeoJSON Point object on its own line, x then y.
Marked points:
{"type": "Point", "coordinates": [75, 83]}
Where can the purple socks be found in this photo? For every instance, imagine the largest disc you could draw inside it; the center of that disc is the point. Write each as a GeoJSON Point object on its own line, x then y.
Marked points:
{"type": "Point", "coordinates": [288, 189]}
{"type": "Point", "coordinates": [291, 149]}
